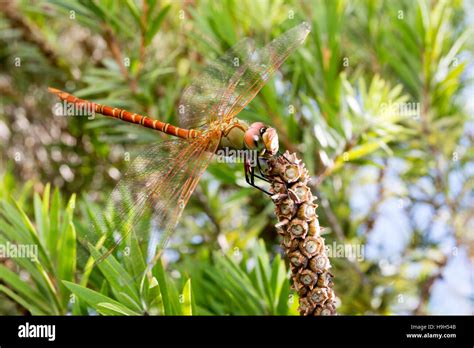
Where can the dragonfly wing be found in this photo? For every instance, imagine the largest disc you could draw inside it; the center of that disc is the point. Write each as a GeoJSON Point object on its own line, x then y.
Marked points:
{"type": "Point", "coordinates": [228, 84]}
{"type": "Point", "coordinates": [200, 102]}
{"type": "Point", "coordinates": [261, 67]}
{"type": "Point", "coordinates": [155, 189]}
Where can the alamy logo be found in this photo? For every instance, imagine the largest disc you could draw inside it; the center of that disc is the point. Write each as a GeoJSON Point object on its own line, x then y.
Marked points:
{"type": "Point", "coordinates": [70, 109]}
{"type": "Point", "coordinates": [37, 331]}
{"type": "Point", "coordinates": [9, 250]}
{"type": "Point", "coordinates": [227, 155]}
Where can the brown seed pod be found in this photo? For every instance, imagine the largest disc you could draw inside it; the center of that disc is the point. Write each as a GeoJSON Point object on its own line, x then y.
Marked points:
{"type": "Point", "coordinates": [297, 228]}
{"type": "Point", "coordinates": [275, 169]}
{"type": "Point", "coordinates": [278, 186]}
{"type": "Point", "coordinates": [319, 263]}
{"type": "Point", "coordinates": [289, 157]}
{"type": "Point", "coordinates": [331, 296]}
{"type": "Point", "coordinates": [278, 197]}
{"type": "Point", "coordinates": [282, 223]}
{"type": "Point", "coordinates": [289, 243]}
{"type": "Point", "coordinates": [308, 278]}
{"type": "Point", "coordinates": [291, 172]}
{"type": "Point", "coordinates": [285, 209]}
{"type": "Point", "coordinates": [300, 289]}
{"type": "Point", "coordinates": [311, 246]}
{"type": "Point", "coordinates": [300, 193]}
{"type": "Point", "coordinates": [304, 177]}
{"type": "Point", "coordinates": [302, 292]}
{"type": "Point", "coordinates": [318, 296]}
{"type": "Point", "coordinates": [294, 270]}
{"type": "Point", "coordinates": [307, 211]}
{"type": "Point", "coordinates": [305, 306]}
{"type": "Point", "coordinates": [280, 230]}
{"type": "Point", "coordinates": [297, 259]}
{"type": "Point", "coordinates": [314, 228]}
{"type": "Point", "coordinates": [325, 280]}
{"type": "Point", "coordinates": [326, 309]}
{"type": "Point", "coordinates": [298, 224]}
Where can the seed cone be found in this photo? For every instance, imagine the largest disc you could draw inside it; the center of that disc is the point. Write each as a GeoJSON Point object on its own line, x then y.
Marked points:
{"type": "Point", "coordinates": [302, 243]}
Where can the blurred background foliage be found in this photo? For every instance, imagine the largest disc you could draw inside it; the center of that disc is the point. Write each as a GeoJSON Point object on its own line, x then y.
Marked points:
{"type": "Point", "coordinates": [377, 102]}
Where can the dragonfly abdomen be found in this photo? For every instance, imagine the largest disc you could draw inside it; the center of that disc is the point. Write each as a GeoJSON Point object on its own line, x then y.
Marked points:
{"type": "Point", "coordinates": [127, 116]}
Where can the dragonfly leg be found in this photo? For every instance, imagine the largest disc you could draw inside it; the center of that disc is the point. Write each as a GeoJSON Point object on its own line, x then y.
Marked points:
{"type": "Point", "coordinates": [263, 176]}
{"type": "Point", "coordinates": [250, 177]}
{"type": "Point", "coordinates": [281, 154]}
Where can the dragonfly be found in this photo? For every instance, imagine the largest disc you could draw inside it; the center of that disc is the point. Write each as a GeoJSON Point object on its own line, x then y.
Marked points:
{"type": "Point", "coordinates": [161, 179]}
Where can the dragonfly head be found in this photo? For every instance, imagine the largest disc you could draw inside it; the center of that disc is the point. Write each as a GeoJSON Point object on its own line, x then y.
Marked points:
{"type": "Point", "coordinates": [262, 138]}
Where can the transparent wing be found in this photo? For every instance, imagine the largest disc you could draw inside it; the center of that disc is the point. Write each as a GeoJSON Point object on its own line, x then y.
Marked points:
{"type": "Point", "coordinates": [146, 204]}
{"type": "Point", "coordinates": [261, 66]}
{"type": "Point", "coordinates": [227, 85]}
{"type": "Point", "coordinates": [199, 105]}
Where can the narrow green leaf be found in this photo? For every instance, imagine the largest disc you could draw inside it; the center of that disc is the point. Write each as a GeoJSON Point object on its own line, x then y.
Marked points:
{"type": "Point", "coordinates": [107, 308]}
{"type": "Point", "coordinates": [94, 299]}
{"type": "Point", "coordinates": [159, 273]}
{"type": "Point", "coordinates": [18, 299]}
{"type": "Point", "coordinates": [45, 212]}
{"type": "Point", "coordinates": [52, 238]}
{"type": "Point", "coordinates": [34, 238]}
{"type": "Point", "coordinates": [51, 289]}
{"type": "Point", "coordinates": [155, 24]}
{"type": "Point", "coordinates": [133, 9]}
{"type": "Point", "coordinates": [116, 275]}
{"type": "Point", "coordinates": [23, 289]}
{"type": "Point", "coordinates": [39, 216]}
{"type": "Point", "coordinates": [283, 305]}
{"type": "Point", "coordinates": [186, 304]}
{"type": "Point", "coordinates": [67, 256]}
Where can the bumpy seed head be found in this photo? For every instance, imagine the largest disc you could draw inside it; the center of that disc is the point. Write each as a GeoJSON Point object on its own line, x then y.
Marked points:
{"type": "Point", "coordinates": [311, 246]}
{"type": "Point", "coordinates": [319, 263]}
{"type": "Point", "coordinates": [331, 296]}
{"type": "Point", "coordinates": [300, 193]}
{"type": "Point", "coordinates": [297, 259]}
{"type": "Point", "coordinates": [281, 227]}
{"type": "Point", "coordinates": [318, 296]}
{"type": "Point", "coordinates": [307, 211]}
{"type": "Point", "coordinates": [275, 169]}
{"type": "Point", "coordinates": [285, 209]}
{"type": "Point", "coordinates": [278, 197]}
{"type": "Point", "coordinates": [304, 177]}
{"type": "Point", "coordinates": [290, 157]}
{"type": "Point", "coordinates": [308, 278]}
{"type": "Point", "coordinates": [325, 280]}
{"type": "Point", "coordinates": [302, 291]}
{"type": "Point", "coordinates": [326, 309]}
{"type": "Point", "coordinates": [314, 228]}
{"type": "Point", "coordinates": [291, 172]}
{"type": "Point", "coordinates": [305, 306]}
{"type": "Point", "coordinates": [290, 243]}
{"type": "Point", "coordinates": [298, 228]}
{"type": "Point", "coordinates": [278, 186]}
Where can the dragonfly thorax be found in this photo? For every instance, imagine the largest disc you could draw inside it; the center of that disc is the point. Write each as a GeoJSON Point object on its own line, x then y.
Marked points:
{"type": "Point", "coordinates": [233, 135]}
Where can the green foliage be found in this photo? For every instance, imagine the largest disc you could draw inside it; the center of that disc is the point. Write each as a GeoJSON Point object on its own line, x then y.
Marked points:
{"type": "Point", "coordinates": [242, 288]}
{"type": "Point", "coordinates": [53, 235]}
{"type": "Point", "coordinates": [250, 286]}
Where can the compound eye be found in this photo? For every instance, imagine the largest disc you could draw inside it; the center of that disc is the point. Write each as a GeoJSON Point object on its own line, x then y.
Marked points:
{"type": "Point", "coordinates": [263, 130]}
{"type": "Point", "coordinates": [256, 140]}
